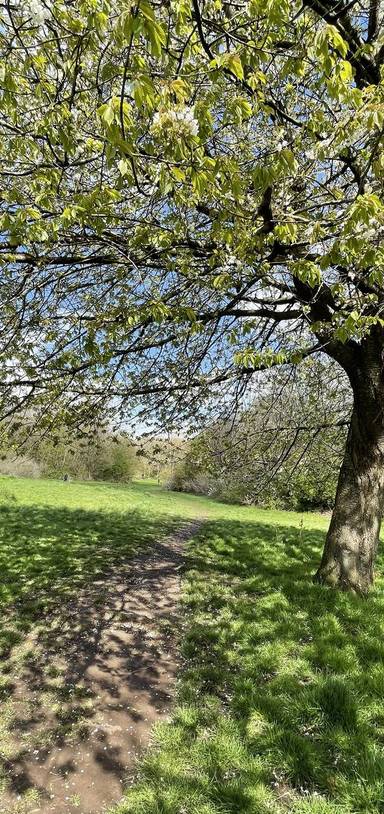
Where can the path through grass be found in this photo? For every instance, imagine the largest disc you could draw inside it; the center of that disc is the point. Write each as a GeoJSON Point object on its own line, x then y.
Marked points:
{"type": "Point", "coordinates": [281, 704]}
{"type": "Point", "coordinates": [58, 543]}
{"type": "Point", "coordinates": [281, 700]}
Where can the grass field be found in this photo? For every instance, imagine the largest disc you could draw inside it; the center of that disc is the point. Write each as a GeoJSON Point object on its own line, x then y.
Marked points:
{"type": "Point", "coordinates": [281, 699]}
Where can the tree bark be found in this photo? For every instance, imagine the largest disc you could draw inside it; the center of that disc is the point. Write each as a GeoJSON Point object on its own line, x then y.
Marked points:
{"type": "Point", "coordinates": [351, 544]}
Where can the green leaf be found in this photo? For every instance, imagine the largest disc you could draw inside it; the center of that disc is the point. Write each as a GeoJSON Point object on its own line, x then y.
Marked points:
{"type": "Point", "coordinates": [222, 281]}
{"type": "Point", "coordinates": [307, 271]}
{"type": "Point", "coordinates": [235, 65]}
{"type": "Point", "coordinates": [123, 167]}
{"type": "Point", "coordinates": [107, 113]}
{"type": "Point", "coordinates": [337, 40]}
{"type": "Point", "coordinates": [345, 71]}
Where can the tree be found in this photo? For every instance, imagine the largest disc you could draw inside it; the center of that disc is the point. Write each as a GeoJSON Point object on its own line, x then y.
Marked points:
{"type": "Point", "coordinates": [158, 457]}
{"type": "Point", "coordinates": [191, 193]}
{"type": "Point", "coordinates": [114, 460]}
{"type": "Point", "coordinates": [278, 452]}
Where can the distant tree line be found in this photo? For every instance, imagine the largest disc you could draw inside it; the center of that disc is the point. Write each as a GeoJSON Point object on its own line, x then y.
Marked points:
{"type": "Point", "coordinates": [282, 451]}
{"type": "Point", "coordinates": [95, 456]}
{"type": "Point", "coordinates": [233, 474]}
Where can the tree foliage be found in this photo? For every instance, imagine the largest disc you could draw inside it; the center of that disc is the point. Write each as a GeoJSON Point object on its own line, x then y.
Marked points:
{"type": "Point", "coordinates": [190, 192]}
{"type": "Point", "coordinates": [282, 451]}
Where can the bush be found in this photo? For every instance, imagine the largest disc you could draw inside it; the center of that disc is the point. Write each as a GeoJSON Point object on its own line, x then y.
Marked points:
{"type": "Point", "coordinates": [97, 456]}
{"type": "Point", "coordinates": [218, 466]}
{"type": "Point", "coordinates": [20, 467]}
{"type": "Point", "coordinates": [114, 463]}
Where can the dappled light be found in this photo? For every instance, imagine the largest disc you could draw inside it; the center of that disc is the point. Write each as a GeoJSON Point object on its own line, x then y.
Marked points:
{"type": "Point", "coordinates": [88, 636]}
{"type": "Point", "coordinates": [278, 705]}
{"type": "Point", "coordinates": [281, 700]}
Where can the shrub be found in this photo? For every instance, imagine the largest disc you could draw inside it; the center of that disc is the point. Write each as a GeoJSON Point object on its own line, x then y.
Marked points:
{"type": "Point", "coordinates": [20, 467]}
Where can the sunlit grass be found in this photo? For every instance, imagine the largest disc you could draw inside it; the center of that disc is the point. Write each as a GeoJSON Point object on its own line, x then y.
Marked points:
{"type": "Point", "coordinates": [56, 538]}
{"type": "Point", "coordinates": [281, 699]}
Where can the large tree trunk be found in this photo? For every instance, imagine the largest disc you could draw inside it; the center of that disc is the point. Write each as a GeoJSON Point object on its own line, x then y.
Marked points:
{"type": "Point", "coordinates": [352, 540]}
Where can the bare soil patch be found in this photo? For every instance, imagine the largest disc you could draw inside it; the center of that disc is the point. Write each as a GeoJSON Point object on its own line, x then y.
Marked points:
{"type": "Point", "coordinates": [89, 685]}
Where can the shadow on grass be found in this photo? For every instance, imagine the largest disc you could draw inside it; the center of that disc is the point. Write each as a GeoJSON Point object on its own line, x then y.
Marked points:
{"type": "Point", "coordinates": [58, 655]}
{"type": "Point", "coordinates": [45, 553]}
{"type": "Point", "coordinates": [281, 701]}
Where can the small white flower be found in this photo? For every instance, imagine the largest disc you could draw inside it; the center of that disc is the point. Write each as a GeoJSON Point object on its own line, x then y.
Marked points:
{"type": "Point", "coordinates": [232, 260]}
{"type": "Point", "coordinates": [179, 120]}
{"type": "Point", "coordinates": [189, 118]}
{"type": "Point", "coordinates": [37, 11]}
{"type": "Point", "coordinates": [310, 154]}
{"type": "Point", "coordinates": [281, 145]}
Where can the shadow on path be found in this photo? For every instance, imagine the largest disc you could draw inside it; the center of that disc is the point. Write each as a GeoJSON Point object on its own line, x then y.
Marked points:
{"type": "Point", "coordinates": [91, 681]}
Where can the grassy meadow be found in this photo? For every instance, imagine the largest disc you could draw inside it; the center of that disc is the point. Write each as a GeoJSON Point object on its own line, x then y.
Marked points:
{"type": "Point", "coordinates": [280, 702]}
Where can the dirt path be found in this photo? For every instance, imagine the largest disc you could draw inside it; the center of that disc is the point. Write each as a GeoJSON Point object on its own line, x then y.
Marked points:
{"type": "Point", "coordinates": [98, 677]}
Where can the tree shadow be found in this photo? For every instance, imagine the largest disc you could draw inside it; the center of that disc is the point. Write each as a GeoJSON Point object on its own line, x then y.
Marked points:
{"type": "Point", "coordinates": [87, 657]}
{"type": "Point", "coordinates": [281, 697]}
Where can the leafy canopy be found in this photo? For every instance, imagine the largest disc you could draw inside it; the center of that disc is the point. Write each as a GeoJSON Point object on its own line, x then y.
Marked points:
{"type": "Point", "coordinates": [191, 191]}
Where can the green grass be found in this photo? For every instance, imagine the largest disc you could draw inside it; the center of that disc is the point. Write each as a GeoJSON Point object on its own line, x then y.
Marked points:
{"type": "Point", "coordinates": [281, 699]}
{"type": "Point", "coordinates": [55, 538]}
{"type": "Point", "coordinates": [56, 535]}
